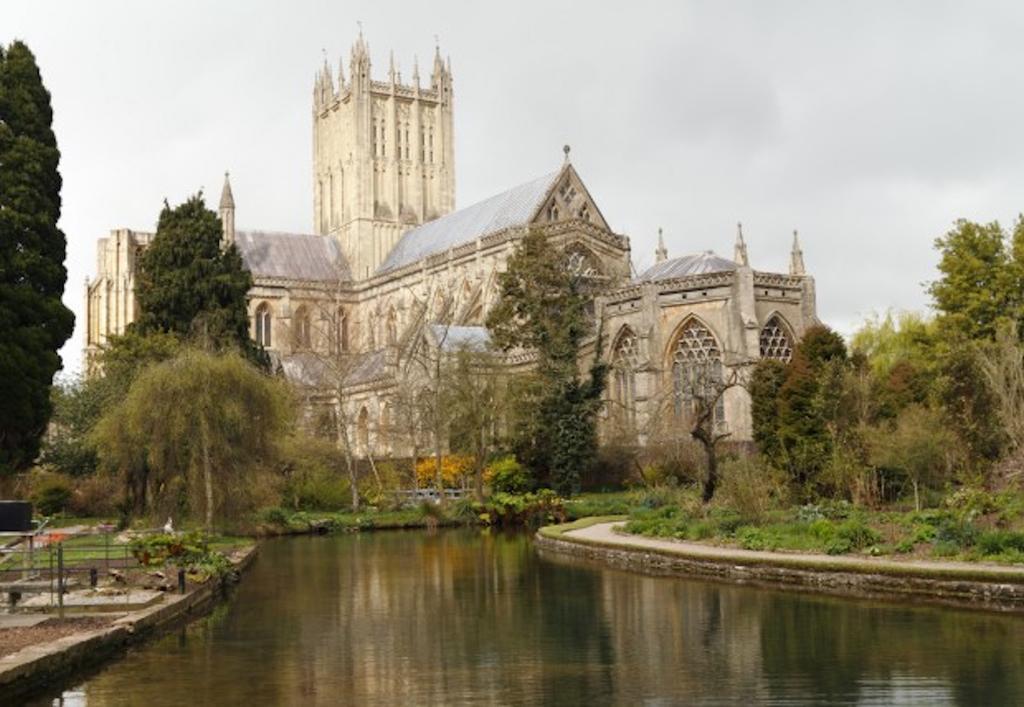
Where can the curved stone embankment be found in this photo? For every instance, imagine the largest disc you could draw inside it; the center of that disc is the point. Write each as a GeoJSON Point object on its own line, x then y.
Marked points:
{"type": "Point", "coordinates": [36, 667]}
{"type": "Point", "coordinates": [987, 586]}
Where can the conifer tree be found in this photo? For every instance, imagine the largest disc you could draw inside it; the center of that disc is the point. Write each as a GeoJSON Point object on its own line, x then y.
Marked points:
{"type": "Point", "coordinates": [543, 309]}
{"type": "Point", "coordinates": [34, 321]}
{"type": "Point", "coordinates": [191, 286]}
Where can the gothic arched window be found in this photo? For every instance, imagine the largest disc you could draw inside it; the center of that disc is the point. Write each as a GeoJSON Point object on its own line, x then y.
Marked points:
{"type": "Point", "coordinates": [625, 361]}
{"type": "Point", "coordinates": [301, 335]}
{"type": "Point", "coordinates": [391, 327]}
{"type": "Point", "coordinates": [697, 371]}
{"type": "Point", "coordinates": [341, 330]}
{"type": "Point", "coordinates": [330, 200]}
{"type": "Point", "coordinates": [264, 325]}
{"type": "Point", "coordinates": [384, 427]}
{"type": "Point", "coordinates": [775, 340]}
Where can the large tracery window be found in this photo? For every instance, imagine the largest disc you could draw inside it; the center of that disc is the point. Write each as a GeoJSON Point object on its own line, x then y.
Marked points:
{"type": "Point", "coordinates": [264, 325]}
{"type": "Point", "coordinates": [775, 340]}
{"type": "Point", "coordinates": [625, 361]}
{"type": "Point", "coordinates": [580, 263]}
{"type": "Point", "coordinates": [697, 372]}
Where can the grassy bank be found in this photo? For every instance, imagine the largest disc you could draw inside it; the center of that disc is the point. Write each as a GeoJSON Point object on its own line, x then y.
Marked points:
{"type": "Point", "coordinates": [968, 526]}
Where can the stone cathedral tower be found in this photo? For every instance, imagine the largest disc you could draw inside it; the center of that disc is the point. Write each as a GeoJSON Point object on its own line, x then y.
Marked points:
{"type": "Point", "coordinates": [383, 156]}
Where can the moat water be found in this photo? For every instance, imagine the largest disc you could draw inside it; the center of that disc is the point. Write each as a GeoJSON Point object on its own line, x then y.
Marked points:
{"type": "Point", "coordinates": [475, 618]}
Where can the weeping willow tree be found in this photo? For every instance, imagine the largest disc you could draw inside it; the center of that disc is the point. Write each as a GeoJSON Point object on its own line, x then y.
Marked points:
{"type": "Point", "coordinates": [194, 433]}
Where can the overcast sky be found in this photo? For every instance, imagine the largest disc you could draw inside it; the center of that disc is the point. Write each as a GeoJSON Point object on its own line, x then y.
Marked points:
{"type": "Point", "coordinates": [869, 126]}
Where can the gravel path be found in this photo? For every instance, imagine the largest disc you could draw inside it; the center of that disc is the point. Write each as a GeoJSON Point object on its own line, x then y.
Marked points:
{"type": "Point", "coordinates": [605, 533]}
{"type": "Point", "coordinates": [13, 640]}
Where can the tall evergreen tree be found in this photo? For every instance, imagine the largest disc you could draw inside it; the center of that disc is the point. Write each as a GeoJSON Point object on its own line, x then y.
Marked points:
{"type": "Point", "coordinates": [190, 285]}
{"type": "Point", "coordinates": [543, 309]}
{"type": "Point", "coordinates": [796, 408]}
{"type": "Point", "coordinates": [34, 321]}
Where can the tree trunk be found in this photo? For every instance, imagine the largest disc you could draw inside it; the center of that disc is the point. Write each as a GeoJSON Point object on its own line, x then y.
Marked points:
{"type": "Point", "coordinates": [438, 476]}
{"type": "Point", "coordinates": [376, 474]}
{"type": "Point", "coordinates": [917, 497]}
{"type": "Point", "coordinates": [711, 481]}
{"type": "Point", "coordinates": [207, 481]}
{"type": "Point", "coordinates": [339, 431]}
{"type": "Point", "coordinates": [478, 477]}
{"type": "Point", "coordinates": [353, 482]}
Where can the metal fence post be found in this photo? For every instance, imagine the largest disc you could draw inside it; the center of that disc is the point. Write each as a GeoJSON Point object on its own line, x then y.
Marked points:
{"type": "Point", "coordinates": [60, 580]}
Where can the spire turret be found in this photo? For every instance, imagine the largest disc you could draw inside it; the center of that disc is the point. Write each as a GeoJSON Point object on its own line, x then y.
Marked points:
{"type": "Point", "coordinates": [661, 252]}
{"type": "Point", "coordinates": [796, 257]}
{"type": "Point", "coordinates": [740, 250]}
{"type": "Point", "coordinates": [435, 78]}
{"type": "Point", "coordinates": [227, 211]}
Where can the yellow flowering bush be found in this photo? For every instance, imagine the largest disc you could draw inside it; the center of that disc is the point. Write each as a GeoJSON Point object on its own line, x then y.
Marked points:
{"type": "Point", "coordinates": [454, 470]}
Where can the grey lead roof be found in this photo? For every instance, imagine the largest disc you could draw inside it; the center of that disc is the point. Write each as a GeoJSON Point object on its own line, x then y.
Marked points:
{"type": "Point", "coordinates": [514, 207]}
{"type": "Point", "coordinates": [312, 371]}
{"type": "Point", "coordinates": [292, 256]}
{"type": "Point", "coordinates": [695, 264]}
{"type": "Point", "coordinates": [455, 338]}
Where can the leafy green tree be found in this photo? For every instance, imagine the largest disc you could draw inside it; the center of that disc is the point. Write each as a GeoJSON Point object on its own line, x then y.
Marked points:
{"type": "Point", "coordinates": [473, 394]}
{"type": "Point", "coordinates": [920, 445]}
{"type": "Point", "coordinates": [194, 432]}
{"type": "Point", "coordinates": [543, 309]}
{"type": "Point", "coordinates": [897, 339]}
{"type": "Point", "coordinates": [79, 404]}
{"type": "Point", "coordinates": [191, 286]}
{"type": "Point", "coordinates": [971, 408]}
{"type": "Point", "coordinates": [809, 404]}
{"type": "Point", "coordinates": [982, 279]}
{"type": "Point", "coordinates": [34, 322]}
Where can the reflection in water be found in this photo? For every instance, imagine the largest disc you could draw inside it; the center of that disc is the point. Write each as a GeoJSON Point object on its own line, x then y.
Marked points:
{"type": "Point", "coordinates": [461, 617]}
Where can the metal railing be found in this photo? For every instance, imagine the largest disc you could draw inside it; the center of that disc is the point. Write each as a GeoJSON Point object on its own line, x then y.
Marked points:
{"type": "Point", "coordinates": [411, 497]}
{"type": "Point", "coordinates": [52, 563]}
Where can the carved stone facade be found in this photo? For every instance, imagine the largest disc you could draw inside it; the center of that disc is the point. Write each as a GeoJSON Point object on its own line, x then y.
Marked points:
{"type": "Point", "coordinates": [343, 311]}
{"type": "Point", "coordinates": [383, 156]}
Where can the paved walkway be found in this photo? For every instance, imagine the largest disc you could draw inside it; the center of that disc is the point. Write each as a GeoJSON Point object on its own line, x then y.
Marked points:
{"type": "Point", "coordinates": [605, 534]}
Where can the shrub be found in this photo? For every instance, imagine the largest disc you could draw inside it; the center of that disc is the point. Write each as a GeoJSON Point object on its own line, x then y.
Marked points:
{"type": "Point", "coordinates": [275, 516]}
{"type": "Point", "coordinates": [52, 495]}
{"type": "Point", "coordinates": [506, 475]}
{"type": "Point", "coordinates": [849, 536]}
{"type": "Point", "coordinates": [1001, 542]}
{"type": "Point", "coordinates": [613, 465]}
{"type": "Point", "coordinates": [529, 509]}
{"type": "Point", "coordinates": [748, 487]}
{"type": "Point", "coordinates": [753, 538]}
{"type": "Point", "coordinates": [190, 551]}
{"type": "Point", "coordinates": [320, 490]}
{"type": "Point", "coordinates": [454, 469]}
{"type": "Point", "coordinates": [971, 502]}
{"type": "Point", "coordinates": [954, 531]}
{"type": "Point", "coordinates": [97, 495]}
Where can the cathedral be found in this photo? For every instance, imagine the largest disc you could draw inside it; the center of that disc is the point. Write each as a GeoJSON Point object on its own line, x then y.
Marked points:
{"type": "Point", "coordinates": [393, 266]}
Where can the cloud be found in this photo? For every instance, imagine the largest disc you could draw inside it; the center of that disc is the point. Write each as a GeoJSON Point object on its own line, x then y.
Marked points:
{"type": "Point", "coordinates": [870, 127]}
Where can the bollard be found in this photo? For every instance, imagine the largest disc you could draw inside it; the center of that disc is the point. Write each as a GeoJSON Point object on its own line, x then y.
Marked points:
{"type": "Point", "coordinates": [93, 577]}
{"type": "Point", "coordinates": [181, 581]}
